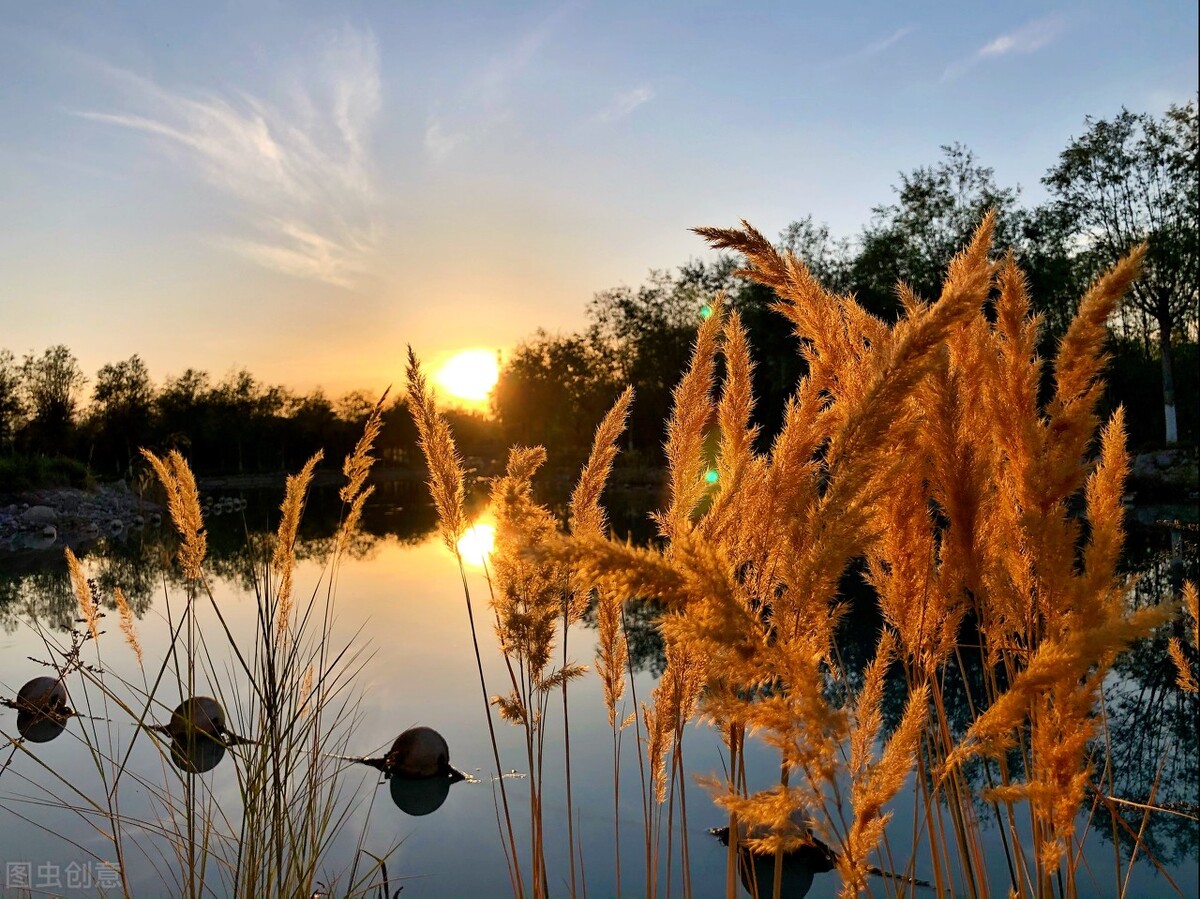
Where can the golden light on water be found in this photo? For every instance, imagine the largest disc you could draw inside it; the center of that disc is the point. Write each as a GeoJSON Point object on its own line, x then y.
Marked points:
{"type": "Point", "coordinates": [476, 544]}
{"type": "Point", "coordinates": [469, 375]}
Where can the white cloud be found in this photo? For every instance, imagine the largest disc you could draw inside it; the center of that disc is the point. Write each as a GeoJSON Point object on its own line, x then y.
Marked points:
{"type": "Point", "coordinates": [300, 177]}
{"type": "Point", "coordinates": [623, 104]}
{"type": "Point", "coordinates": [1026, 39]}
{"type": "Point", "coordinates": [440, 142]}
{"type": "Point", "coordinates": [876, 47]}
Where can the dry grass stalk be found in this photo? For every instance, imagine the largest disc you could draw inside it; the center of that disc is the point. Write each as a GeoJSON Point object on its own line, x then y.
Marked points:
{"type": "Point", "coordinates": [446, 488]}
{"type": "Point", "coordinates": [1185, 675]}
{"type": "Point", "coordinates": [923, 447]}
{"type": "Point", "coordinates": [356, 467]}
{"type": "Point", "coordinates": [283, 559]}
{"type": "Point", "coordinates": [183, 504]}
{"type": "Point", "coordinates": [693, 408]}
{"type": "Point", "coordinates": [587, 519]}
{"type": "Point", "coordinates": [441, 455]}
{"type": "Point", "coordinates": [89, 610]}
{"type": "Point", "coordinates": [127, 623]}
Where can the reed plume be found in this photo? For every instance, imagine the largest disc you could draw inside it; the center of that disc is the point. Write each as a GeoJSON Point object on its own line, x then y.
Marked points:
{"type": "Point", "coordinates": [441, 455]}
{"type": "Point", "coordinates": [692, 409]}
{"type": "Point", "coordinates": [1185, 676]}
{"type": "Point", "coordinates": [127, 623]}
{"type": "Point", "coordinates": [356, 467]}
{"type": "Point", "coordinates": [183, 504]}
{"type": "Point", "coordinates": [89, 609]}
{"type": "Point", "coordinates": [448, 492]}
{"type": "Point", "coordinates": [283, 558]}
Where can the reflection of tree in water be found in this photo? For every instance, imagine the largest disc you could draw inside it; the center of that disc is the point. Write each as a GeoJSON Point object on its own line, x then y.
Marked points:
{"type": "Point", "coordinates": [142, 563]}
{"type": "Point", "coordinates": [1151, 722]}
{"type": "Point", "coordinates": [38, 593]}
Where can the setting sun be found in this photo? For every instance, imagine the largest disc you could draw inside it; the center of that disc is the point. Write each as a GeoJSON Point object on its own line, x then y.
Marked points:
{"type": "Point", "coordinates": [469, 375]}
{"type": "Point", "coordinates": [475, 545]}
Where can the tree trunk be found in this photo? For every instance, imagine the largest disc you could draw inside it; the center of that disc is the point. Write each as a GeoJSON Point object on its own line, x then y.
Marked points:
{"type": "Point", "coordinates": [1168, 374]}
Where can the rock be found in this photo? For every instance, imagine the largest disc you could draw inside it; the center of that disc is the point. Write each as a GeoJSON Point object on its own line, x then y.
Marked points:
{"type": "Point", "coordinates": [39, 515]}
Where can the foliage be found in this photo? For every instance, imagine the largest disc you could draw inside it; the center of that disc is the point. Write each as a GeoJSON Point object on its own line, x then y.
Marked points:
{"type": "Point", "coordinates": [50, 384]}
{"type": "Point", "coordinates": [1136, 179]}
{"type": "Point", "coordinates": [927, 448]}
{"type": "Point", "coordinates": [289, 686]}
{"type": "Point", "coordinates": [913, 239]}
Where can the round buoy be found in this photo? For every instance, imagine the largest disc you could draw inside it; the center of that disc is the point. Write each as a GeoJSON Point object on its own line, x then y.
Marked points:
{"type": "Point", "coordinates": [418, 752]}
{"type": "Point", "coordinates": [42, 711]}
{"type": "Point", "coordinates": [197, 715]}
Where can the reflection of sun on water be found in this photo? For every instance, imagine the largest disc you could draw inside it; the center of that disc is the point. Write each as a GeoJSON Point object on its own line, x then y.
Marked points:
{"type": "Point", "coordinates": [469, 375]}
{"type": "Point", "coordinates": [476, 544]}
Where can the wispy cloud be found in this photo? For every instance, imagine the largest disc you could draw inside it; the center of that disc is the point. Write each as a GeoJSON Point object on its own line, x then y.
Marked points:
{"type": "Point", "coordinates": [483, 100]}
{"type": "Point", "coordinates": [301, 176]}
{"type": "Point", "coordinates": [623, 104]}
{"type": "Point", "coordinates": [876, 47]}
{"type": "Point", "coordinates": [439, 141]}
{"type": "Point", "coordinates": [1028, 38]}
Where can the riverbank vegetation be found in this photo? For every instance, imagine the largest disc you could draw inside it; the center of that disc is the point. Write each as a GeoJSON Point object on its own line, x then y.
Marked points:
{"type": "Point", "coordinates": [923, 451]}
{"type": "Point", "coordinates": [971, 492]}
{"type": "Point", "coordinates": [1126, 180]}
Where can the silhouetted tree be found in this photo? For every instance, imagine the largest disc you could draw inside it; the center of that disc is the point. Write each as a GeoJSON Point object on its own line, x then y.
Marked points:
{"type": "Point", "coordinates": [1131, 179]}
{"type": "Point", "coordinates": [183, 408]}
{"type": "Point", "coordinates": [553, 391]}
{"type": "Point", "coordinates": [122, 411]}
{"type": "Point", "coordinates": [11, 407]}
{"type": "Point", "coordinates": [936, 211]}
{"type": "Point", "coordinates": [50, 385]}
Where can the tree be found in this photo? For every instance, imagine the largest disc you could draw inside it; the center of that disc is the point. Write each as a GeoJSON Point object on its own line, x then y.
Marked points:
{"type": "Point", "coordinates": [553, 391]}
{"type": "Point", "coordinates": [913, 240]}
{"type": "Point", "coordinates": [830, 261]}
{"type": "Point", "coordinates": [122, 410]}
{"type": "Point", "coordinates": [648, 335]}
{"type": "Point", "coordinates": [50, 385]}
{"type": "Point", "coordinates": [1133, 179]}
{"type": "Point", "coordinates": [11, 407]}
{"type": "Point", "coordinates": [183, 406]}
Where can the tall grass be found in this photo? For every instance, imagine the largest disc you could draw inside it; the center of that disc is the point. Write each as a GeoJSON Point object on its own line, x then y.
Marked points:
{"type": "Point", "coordinates": [986, 528]}
{"type": "Point", "coordinates": [288, 688]}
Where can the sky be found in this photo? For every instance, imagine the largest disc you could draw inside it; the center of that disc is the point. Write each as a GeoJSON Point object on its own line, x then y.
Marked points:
{"type": "Point", "coordinates": [304, 189]}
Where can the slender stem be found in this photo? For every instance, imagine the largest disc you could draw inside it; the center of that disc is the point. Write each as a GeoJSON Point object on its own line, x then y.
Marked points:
{"type": "Point", "coordinates": [514, 873]}
{"type": "Point", "coordinates": [567, 749]}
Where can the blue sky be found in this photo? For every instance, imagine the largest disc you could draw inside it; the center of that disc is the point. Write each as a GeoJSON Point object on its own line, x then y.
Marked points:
{"type": "Point", "coordinates": [305, 188]}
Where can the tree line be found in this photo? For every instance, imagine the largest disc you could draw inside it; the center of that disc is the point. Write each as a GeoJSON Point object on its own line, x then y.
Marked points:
{"type": "Point", "coordinates": [1128, 179]}
{"type": "Point", "coordinates": [233, 425]}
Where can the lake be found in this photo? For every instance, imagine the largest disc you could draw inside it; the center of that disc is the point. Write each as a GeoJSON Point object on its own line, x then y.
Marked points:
{"type": "Point", "coordinates": [399, 598]}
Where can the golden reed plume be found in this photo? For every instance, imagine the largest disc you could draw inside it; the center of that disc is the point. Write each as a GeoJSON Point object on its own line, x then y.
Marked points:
{"type": "Point", "coordinates": [183, 504]}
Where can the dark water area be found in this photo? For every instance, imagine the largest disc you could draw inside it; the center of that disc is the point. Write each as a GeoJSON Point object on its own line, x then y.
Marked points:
{"type": "Point", "coordinates": [400, 578]}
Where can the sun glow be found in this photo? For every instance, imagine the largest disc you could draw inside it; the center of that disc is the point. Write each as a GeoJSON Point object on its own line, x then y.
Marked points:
{"type": "Point", "coordinates": [469, 375]}
{"type": "Point", "coordinates": [475, 545]}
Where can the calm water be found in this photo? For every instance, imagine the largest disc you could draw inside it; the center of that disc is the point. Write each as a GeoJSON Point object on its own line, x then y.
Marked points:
{"type": "Point", "coordinates": [402, 590]}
